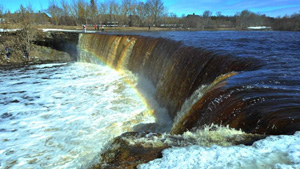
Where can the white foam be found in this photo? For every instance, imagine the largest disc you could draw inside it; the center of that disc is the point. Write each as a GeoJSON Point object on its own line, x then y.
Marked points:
{"type": "Point", "coordinates": [208, 136]}
{"type": "Point", "coordinates": [60, 116]}
{"type": "Point", "coordinates": [273, 152]}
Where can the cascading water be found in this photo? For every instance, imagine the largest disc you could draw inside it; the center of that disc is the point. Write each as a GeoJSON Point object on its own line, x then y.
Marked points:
{"type": "Point", "coordinates": [194, 87]}
{"type": "Point", "coordinates": [177, 71]}
{"type": "Point", "coordinates": [231, 93]}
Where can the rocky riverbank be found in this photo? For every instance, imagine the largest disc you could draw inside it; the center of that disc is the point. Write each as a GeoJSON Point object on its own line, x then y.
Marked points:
{"type": "Point", "coordinates": [37, 54]}
{"type": "Point", "coordinates": [134, 148]}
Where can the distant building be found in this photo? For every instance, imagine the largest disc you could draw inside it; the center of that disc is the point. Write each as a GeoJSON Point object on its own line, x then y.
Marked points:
{"type": "Point", "coordinates": [194, 21]}
{"type": "Point", "coordinates": [193, 16]}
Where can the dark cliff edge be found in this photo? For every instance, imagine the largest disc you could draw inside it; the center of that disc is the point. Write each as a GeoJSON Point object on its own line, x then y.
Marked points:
{"type": "Point", "coordinates": [60, 41]}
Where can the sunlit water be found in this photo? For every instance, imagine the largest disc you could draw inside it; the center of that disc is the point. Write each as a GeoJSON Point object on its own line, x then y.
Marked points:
{"type": "Point", "coordinates": [278, 152]}
{"type": "Point", "coordinates": [61, 115]}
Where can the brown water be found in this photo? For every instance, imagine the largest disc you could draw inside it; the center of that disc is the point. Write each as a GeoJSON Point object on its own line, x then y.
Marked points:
{"type": "Point", "coordinates": [262, 96]}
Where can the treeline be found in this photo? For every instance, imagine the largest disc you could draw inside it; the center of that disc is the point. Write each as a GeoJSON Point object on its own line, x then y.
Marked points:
{"type": "Point", "coordinates": [149, 13]}
{"type": "Point", "coordinates": [242, 20]}
{"type": "Point", "coordinates": [291, 23]}
{"type": "Point", "coordinates": [78, 12]}
{"type": "Point", "coordinates": [128, 12]}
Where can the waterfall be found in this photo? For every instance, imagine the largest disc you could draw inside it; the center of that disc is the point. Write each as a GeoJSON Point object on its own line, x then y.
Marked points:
{"type": "Point", "coordinates": [178, 72]}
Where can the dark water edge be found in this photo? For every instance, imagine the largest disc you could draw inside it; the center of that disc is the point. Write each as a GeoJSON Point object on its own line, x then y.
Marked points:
{"type": "Point", "coordinates": [263, 97]}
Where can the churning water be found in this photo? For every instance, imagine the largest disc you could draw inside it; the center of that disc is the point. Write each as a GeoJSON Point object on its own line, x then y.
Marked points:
{"type": "Point", "coordinates": [61, 115]}
{"type": "Point", "coordinates": [278, 152]}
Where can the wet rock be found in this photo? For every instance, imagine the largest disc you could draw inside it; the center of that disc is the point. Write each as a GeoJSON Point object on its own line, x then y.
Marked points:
{"type": "Point", "coordinates": [42, 53]}
{"type": "Point", "coordinates": [124, 153]}
{"type": "Point", "coordinates": [134, 148]}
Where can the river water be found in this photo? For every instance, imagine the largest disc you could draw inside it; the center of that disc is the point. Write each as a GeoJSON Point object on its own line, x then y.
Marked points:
{"type": "Point", "coordinates": [277, 80]}
{"type": "Point", "coordinates": [62, 115]}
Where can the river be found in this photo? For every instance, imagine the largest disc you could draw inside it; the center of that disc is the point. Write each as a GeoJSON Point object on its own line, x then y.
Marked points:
{"type": "Point", "coordinates": [63, 115]}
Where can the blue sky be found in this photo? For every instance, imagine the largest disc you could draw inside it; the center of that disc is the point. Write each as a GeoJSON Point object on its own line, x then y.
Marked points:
{"type": "Point", "coordinates": [272, 8]}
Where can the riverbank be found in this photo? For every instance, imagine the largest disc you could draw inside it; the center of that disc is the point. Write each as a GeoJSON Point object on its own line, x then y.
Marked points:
{"type": "Point", "coordinates": [13, 37]}
{"type": "Point", "coordinates": [23, 55]}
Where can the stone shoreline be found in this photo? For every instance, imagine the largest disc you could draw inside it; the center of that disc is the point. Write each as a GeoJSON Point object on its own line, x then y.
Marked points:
{"type": "Point", "coordinates": [39, 54]}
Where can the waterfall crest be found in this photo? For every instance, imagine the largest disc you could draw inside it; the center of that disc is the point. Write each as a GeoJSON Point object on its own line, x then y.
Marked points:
{"type": "Point", "coordinates": [177, 72]}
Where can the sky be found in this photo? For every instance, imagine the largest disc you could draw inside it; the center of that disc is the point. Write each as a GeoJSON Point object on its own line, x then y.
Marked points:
{"type": "Point", "coordinates": [271, 8]}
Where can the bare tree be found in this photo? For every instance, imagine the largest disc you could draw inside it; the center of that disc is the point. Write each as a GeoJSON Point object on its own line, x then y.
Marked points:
{"type": "Point", "coordinates": [74, 11]}
{"type": "Point", "coordinates": [65, 7]}
{"type": "Point", "coordinates": [79, 11]}
{"type": "Point", "coordinates": [66, 18]}
{"type": "Point", "coordinates": [83, 11]}
{"type": "Point", "coordinates": [93, 10]}
{"type": "Point", "coordinates": [156, 10]}
{"type": "Point", "coordinates": [291, 23]}
{"type": "Point", "coordinates": [247, 18]}
{"type": "Point", "coordinates": [147, 8]}
{"type": "Point", "coordinates": [1, 11]}
{"type": "Point", "coordinates": [171, 20]}
{"type": "Point", "coordinates": [206, 18]}
{"type": "Point", "coordinates": [126, 5]}
{"type": "Point", "coordinates": [55, 11]}
{"type": "Point", "coordinates": [128, 9]}
{"type": "Point", "coordinates": [113, 10]}
{"type": "Point", "coordinates": [103, 11]}
{"type": "Point", "coordinates": [242, 18]}
{"type": "Point", "coordinates": [219, 14]}
{"type": "Point", "coordinates": [140, 12]}
{"type": "Point", "coordinates": [28, 32]}
{"type": "Point", "coordinates": [103, 8]}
